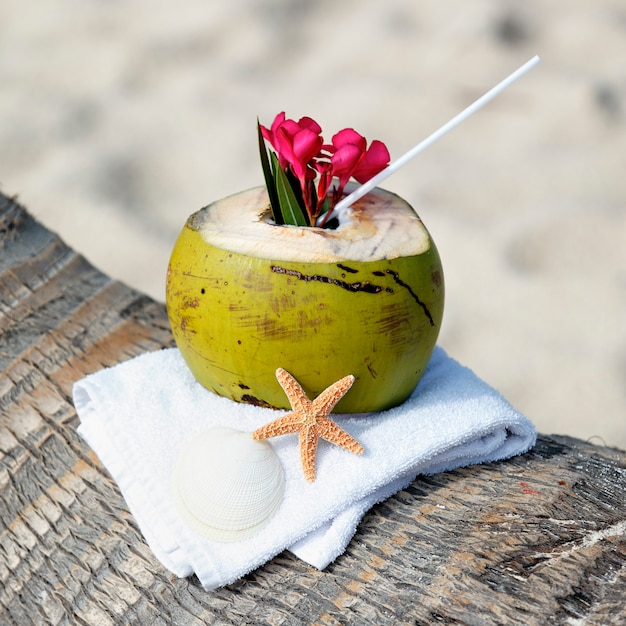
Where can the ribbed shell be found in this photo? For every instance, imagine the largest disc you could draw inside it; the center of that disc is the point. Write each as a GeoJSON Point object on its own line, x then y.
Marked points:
{"type": "Point", "coordinates": [226, 485]}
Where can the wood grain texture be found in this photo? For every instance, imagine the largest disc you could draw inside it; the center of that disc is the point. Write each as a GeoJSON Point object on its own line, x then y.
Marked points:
{"type": "Point", "coordinates": [538, 539]}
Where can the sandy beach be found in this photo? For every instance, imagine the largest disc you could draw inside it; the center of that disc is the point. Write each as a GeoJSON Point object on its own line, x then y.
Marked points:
{"type": "Point", "coordinates": [118, 120]}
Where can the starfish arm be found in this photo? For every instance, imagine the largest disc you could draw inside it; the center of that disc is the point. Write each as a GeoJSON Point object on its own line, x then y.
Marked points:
{"type": "Point", "coordinates": [326, 401]}
{"type": "Point", "coordinates": [310, 420]}
{"type": "Point", "coordinates": [297, 398]}
{"type": "Point", "coordinates": [308, 452]}
{"type": "Point", "coordinates": [327, 429]}
{"type": "Point", "coordinates": [289, 423]}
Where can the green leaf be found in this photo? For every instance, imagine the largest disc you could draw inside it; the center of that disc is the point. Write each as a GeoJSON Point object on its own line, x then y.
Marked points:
{"type": "Point", "coordinates": [289, 206]}
{"type": "Point", "coordinates": [270, 183]}
{"type": "Point", "coordinates": [295, 186]}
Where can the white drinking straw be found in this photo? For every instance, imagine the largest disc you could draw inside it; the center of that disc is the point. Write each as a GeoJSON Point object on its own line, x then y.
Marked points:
{"type": "Point", "coordinates": [366, 187]}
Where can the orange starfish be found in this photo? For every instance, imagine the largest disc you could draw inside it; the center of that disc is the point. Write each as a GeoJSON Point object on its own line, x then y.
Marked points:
{"type": "Point", "coordinates": [310, 420]}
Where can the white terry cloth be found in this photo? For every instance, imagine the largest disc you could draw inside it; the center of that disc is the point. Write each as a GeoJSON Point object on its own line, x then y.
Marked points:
{"type": "Point", "coordinates": [138, 415]}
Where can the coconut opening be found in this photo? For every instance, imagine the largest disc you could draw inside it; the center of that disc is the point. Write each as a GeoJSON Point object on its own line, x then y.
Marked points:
{"type": "Point", "coordinates": [267, 217]}
{"type": "Point", "coordinates": [381, 225]}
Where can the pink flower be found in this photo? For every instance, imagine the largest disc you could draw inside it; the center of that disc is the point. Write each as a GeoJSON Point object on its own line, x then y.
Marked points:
{"type": "Point", "coordinates": [350, 158]}
{"type": "Point", "coordinates": [296, 144]}
{"type": "Point", "coordinates": [301, 151]}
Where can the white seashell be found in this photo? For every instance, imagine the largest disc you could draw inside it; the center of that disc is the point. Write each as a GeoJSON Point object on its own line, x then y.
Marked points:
{"type": "Point", "coordinates": [226, 485]}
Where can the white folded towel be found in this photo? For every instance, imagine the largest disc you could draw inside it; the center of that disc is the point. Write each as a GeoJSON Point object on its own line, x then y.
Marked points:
{"type": "Point", "coordinates": [138, 416]}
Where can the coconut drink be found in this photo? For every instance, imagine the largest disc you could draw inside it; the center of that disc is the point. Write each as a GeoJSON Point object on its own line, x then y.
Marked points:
{"type": "Point", "coordinates": [270, 278]}
{"type": "Point", "coordinates": [364, 299]}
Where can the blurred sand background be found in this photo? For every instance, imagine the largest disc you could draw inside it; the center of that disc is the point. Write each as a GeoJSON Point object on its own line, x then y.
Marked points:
{"type": "Point", "coordinates": [118, 120]}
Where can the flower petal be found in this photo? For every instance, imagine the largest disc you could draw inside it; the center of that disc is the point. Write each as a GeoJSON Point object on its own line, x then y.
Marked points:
{"type": "Point", "coordinates": [345, 158]}
{"type": "Point", "coordinates": [349, 136]}
{"type": "Point", "coordinates": [306, 145]}
{"type": "Point", "coordinates": [344, 161]}
{"type": "Point", "coordinates": [374, 160]}
{"type": "Point", "coordinates": [278, 120]}
{"type": "Point", "coordinates": [311, 124]}
{"type": "Point", "coordinates": [284, 147]}
{"type": "Point", "coordinates": [290, 127]}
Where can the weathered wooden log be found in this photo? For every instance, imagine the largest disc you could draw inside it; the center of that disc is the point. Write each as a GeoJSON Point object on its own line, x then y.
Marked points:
{"type": "Point", "coordinates": [538, 539]}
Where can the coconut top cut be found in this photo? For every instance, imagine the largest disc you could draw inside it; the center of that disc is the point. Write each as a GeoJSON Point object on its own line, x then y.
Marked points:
{"type": "Point", "coordinates": [379, 226]}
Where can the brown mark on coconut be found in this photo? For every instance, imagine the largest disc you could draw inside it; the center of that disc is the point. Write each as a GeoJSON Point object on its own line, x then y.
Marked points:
{"type": "Point", "coordinates": [415, 297]}
{"type": "Point", "coordinates": [268, 328]}
{"type": "Point", "coordinates": [190, 303]}
{"type": "Point", "coordinates": [437, 278]}
{"type": "Point", "coordinates": [249, 399]}
{"type": "Point", "coordinates": [363, 286]}
{"type": "Point", "coordinates": [372, 371]}
{"type": "Point", "coordinates": [394, 321]}
{"type": "Point", "coordinates": [184, 321]}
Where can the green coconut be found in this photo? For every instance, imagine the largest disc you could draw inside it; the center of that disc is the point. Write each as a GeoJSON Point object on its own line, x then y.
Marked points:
{"type": "Point", "coordinates": [246, 296]}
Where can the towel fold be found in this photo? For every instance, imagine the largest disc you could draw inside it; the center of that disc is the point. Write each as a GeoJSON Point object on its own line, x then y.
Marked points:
{"type": "Point", "coordinates": [139, 415]}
